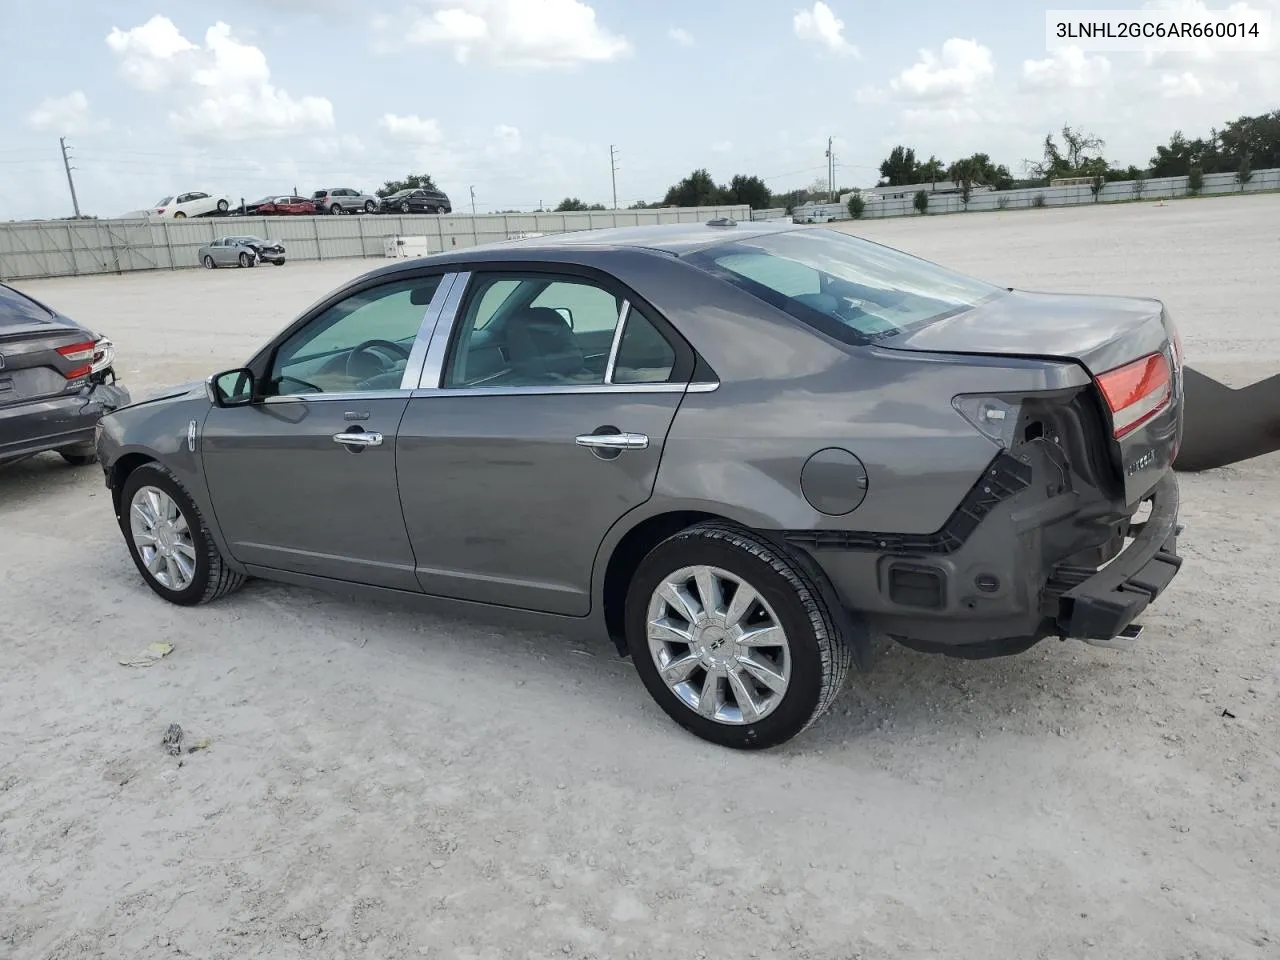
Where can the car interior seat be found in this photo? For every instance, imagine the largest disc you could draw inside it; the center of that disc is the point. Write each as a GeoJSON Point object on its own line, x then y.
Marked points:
{"type": "Point", "coordinates": [541, 347]}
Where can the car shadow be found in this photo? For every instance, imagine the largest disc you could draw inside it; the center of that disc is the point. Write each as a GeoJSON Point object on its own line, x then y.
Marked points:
{"type": "Point", "coordinates": [907, 696]}
{"type": "Point", "coordinates": [43, 476]}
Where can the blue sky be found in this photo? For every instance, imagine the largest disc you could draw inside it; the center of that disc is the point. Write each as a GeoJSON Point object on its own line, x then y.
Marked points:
{"type": "Point", "coordinates": [522, 98]}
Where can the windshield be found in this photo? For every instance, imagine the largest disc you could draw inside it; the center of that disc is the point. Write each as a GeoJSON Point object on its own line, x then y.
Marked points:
{"type": "Point", "coordinates": [161, 203]}
{"type": "Point", "coordinates": [846, 287]}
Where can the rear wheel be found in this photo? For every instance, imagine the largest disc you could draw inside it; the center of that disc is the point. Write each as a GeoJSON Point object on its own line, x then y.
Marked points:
{"type": "Point", "coordinates": [223, 206]}
{"type": "Point", "coordinates": [179, 215]}
{"type": "Point", "coordinates": [404, 206]}
{"type": "Point", "coordinates": [169, 540]}
{"type": "Point", "coordinates": [208, 262]}
{"type": "Point", "coordinates": [732, 638]}
{"type": "Point", "coordinates": [336, 209]}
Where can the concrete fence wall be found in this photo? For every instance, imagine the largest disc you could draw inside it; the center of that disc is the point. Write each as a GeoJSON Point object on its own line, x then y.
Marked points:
{"type": "Point", "coordinates": [1163, 188]}
{"type": "Point", "coordinates": [62, 248]}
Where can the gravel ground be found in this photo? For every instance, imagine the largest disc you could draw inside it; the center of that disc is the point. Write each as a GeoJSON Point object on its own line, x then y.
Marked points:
{"type": "Point", "coordinates": [382, 784]}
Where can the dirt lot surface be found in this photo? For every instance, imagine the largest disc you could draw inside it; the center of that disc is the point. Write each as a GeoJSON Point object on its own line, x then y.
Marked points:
{"type": "Point", "coordinates": [381, 784]}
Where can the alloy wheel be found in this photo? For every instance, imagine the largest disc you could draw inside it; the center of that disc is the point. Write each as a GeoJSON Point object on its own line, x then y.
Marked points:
{"type": "Point", "coordinates": [162, 538]}
{"type": "Point", "coordinates": [718, 645]}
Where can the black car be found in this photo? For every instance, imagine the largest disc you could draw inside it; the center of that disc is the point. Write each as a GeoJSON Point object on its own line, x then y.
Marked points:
{"type": "Point", "coordinates": [56, 382]}
{"type": "Point", "coordinates": [417, 200]}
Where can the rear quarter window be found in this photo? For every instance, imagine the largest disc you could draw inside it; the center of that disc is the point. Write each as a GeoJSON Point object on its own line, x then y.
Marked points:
{"type": "Point", "coordinates": [17, 310]}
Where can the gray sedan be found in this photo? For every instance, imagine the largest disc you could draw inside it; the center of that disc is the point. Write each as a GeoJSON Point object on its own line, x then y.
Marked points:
{"type": "Point", "coordinates": [741, 451]}
{"type": "Point", "coordinates": [244, 251]}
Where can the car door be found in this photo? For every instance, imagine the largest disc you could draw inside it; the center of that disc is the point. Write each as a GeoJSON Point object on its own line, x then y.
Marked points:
{"type": "Point", "coordinates": [305, 480]}
{"type": "Point", "coordinates": [227, 252]}
{"type": "Point", "coordinates": [527, 442]}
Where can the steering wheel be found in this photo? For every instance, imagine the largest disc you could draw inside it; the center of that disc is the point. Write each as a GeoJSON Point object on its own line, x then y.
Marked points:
{"type": "Point", "coordinates": [367, 348]}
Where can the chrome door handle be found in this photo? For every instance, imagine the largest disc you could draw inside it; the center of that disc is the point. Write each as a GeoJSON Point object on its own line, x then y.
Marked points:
{"type": "Point", "coordinates": [361, 439]}
{"type": "Point", "coordinates": [614, 441]}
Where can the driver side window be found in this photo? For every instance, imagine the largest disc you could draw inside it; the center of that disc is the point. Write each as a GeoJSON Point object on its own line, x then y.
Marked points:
{"type": "Point", "coordinates": [359, 344]}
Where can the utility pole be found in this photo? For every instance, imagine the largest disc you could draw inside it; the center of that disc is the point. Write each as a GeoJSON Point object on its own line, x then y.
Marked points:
{"type": "Point", "coordinates": [613, 167]}
{"type": "Point", "coordinates": [473, 201]}
{"type": "Point", "coordinates": [66, 163]}
{"type": "Point", "coordinates": [831, 170]}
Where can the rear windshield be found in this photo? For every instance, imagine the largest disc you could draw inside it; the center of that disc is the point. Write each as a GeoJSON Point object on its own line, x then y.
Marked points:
{"type": "Point", "coordinates": [848, 288]}
{"type": "Point", "coordinates": [17, 310]}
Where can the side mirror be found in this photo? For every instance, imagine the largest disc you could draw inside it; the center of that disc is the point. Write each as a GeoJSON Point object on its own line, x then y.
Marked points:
{"type": "Point", "coordinates": [233, 388]}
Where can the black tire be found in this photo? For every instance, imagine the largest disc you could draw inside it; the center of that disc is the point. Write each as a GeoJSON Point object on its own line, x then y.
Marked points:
{"type": "Point", "coordinates": [79, 456]}
{"type": "Point", "coordinates": [336, 209]}
{"type": "Point", "coordinates": [223, 206]}
{"type": "Point", "coordinates": [278, 263]}
{"type": "Point", "coordinates": [369, 206]}
{"type": "Point", "coordinates": [246, 260]}
{"type": "Point", "coordinates": [208, 262]}
{"type": "Point", "coordinates": [404, 206]}
{"type": "Point", "coordinates": [820, 655]}
{"type": "Point", "coordinates": [212, 578]}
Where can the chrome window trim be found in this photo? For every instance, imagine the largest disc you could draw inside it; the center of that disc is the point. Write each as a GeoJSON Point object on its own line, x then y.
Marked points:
{"type": "Point", "coordinates": [623, 316]}
{"type": "Point", "coordinates": [418, 353]}
{"type": "Point", "coordinates": [553, 390]}
{"type": "Point", "coordinates": [351, 396]}
{"type": "Point", "coordinates": [433, 366]}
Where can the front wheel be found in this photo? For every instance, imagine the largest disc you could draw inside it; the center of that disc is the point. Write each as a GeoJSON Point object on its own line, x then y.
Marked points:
{"type": "Point", "coordinates": [732, 638]}
{"type": "Point", "coordinates": [369, 206]}
{"type": "Point", "coordinates": [169, 540]}
{"type": "Point", "coordinates": [223, 206]}
{"type": "Point", "coordinates": [245, 260]}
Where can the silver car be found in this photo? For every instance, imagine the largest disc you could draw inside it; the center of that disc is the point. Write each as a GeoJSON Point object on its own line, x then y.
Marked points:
{"type": "Point", "coordinates": [243, 251]}
{"type": "Point", "coordinates": [742, 451]}
{"type": "Point", "coordinates": [337, 200]}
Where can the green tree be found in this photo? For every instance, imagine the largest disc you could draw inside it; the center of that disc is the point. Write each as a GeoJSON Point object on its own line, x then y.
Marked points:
{"type": "Point", "coordinates": [931, 170]}
{"type": "Point", "coordinates": [1139, 185]}
{"type": "Point", "coordinates": [1096, 170]}
{"type": "Point", "coordinates": [750, 191]}
{"type": "Point", "coordinates": [1195, 179]}
{"type": "Point", "coordinates": [571, 204]}
{"type": "Point", "coordinates": [696, 190]}
{"type": "Point", "coordinates": [1078, 149]}
{"type": "Point", "coordinates": [900, 168]}
{"type": "Point", "coordinates": [966, 173]}
{"type": "Point", "coordinates": [857, 206]}
{"type": "Point", "coordinates": [921, 201]}
{"type": "Point", "coordinates": [414, 181]}
{"type": "Point", "coordinates": [1244, 172]}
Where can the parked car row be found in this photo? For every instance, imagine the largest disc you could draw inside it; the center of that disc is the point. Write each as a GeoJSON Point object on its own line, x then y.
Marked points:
{"type": "Point", "coordinates": [331, 200]}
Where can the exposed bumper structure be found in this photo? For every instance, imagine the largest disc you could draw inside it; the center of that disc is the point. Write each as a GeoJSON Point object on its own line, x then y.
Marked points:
{"type": "Point", "coordinates": [1105, 602]}
{"type": "Point", "coordinates": [57, 422]}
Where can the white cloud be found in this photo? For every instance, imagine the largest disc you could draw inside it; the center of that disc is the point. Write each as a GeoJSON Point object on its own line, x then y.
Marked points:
{"type": "Point", "coordinates": [722, 146]}
{"type": "Point", "coordinates": [681, 36]}
{"type": "Point", "coordinates": [518, 33]}
{"type": "Point", "coordinates": [221, 90]}
{"type": "Point", "coordinates": [1068, 67]}
{"type": "Point", "coordinates": [1187, 86]}
{"type": "Point", "coordinates": [65, 115]}
{"type": "Point", "coordinates": [961, 69]}
{"type": "Point", "coordinates": [410, 129]}
{"type": "Point", "coordinates": [820, 25]}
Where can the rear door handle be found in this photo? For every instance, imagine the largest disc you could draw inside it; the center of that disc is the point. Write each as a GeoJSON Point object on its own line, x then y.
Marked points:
{"type": "Point", "coordinates": [360, 439]}
{"type": "Point", "coordinates": [614, 441]}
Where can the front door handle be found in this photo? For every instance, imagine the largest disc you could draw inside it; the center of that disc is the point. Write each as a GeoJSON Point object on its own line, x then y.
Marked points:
{"type": "Point", "coordinates": [614, 441]}
{"type": "Point", "coordinates": [359, 439]}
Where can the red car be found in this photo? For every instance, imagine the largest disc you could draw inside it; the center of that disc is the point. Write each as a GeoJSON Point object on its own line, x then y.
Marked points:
{"type": "Point", "coordinates": [283, 207]}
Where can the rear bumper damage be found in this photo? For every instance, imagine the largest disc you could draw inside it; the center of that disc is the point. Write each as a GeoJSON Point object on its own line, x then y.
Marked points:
{"type": "Point", "coordinates": [1099, 605]}
{"type": "Point", "coordinates": [58, 422]}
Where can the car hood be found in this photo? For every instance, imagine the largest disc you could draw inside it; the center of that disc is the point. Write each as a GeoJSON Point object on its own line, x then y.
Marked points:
{"type": "Point", "coordinates": [169, 394]}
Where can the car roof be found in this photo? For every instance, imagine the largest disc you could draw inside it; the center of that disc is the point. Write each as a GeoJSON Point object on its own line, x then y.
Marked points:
{"type": "Point", "coordinates": [673, 239]}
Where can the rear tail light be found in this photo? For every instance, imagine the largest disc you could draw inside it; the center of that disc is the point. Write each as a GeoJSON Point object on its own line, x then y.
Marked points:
{"type": "Point", "coordinates": [1136, 392]}
{"type": "Point", "coordinates": [104, 354]}
{"type": "Point", "coordinates": [161, 209]}
{"type": "Point", "coordinates": [79, 353]}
